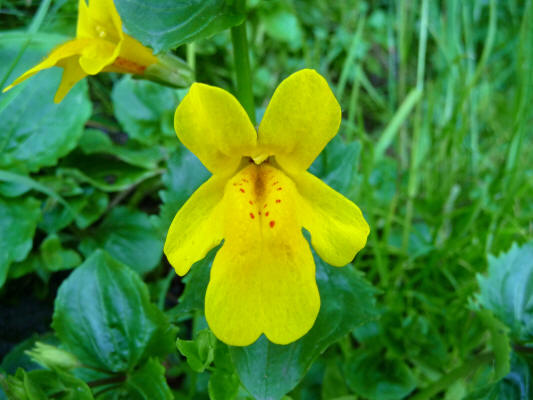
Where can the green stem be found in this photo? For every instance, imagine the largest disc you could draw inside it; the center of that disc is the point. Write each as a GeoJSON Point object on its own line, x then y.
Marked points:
{"type": "Point", "coordinates": [242, 66]}
{"type": "Point", "coordinates": [462, 371]}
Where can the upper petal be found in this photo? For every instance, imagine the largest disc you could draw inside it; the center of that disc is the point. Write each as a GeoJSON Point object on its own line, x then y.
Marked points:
{"type": "Point", "coordinates": [337, 226]}
{"type": "Point", "coordinates": [263, 277]}
{"type": "Point", "coordinates": [212, 124]}
{"type": "Point", "coordinates": [300, 120]}
{"type": "Point", "coordinates": [197, 227]}
{"type": "Point", "coordinates": [99, 20]}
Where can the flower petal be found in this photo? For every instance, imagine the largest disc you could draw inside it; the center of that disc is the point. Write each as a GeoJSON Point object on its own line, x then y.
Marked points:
{"type": "Point", "coordinates": [99, 20]}
{"type": "Point", "coordinates": [97, 55]}
{"type": "Point", "coordinates": [263, 277]}
{"type": "Point", "coordinates": [300, 120]}
{"type": "Point", "coordinates": [212, 124]}
{"type": "Point", "coordinates": [197, 227]}
{"type": "Point", "coordinates": [72, 73]}
{"type": "Point", "coordinates": [337, 226]}
{"type": "Point", "coordinates": [63, 51]}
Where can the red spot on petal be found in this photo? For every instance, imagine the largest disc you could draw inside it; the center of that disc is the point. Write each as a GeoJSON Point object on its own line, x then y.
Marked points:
{"type": "Point", "coordinates": [279, 188]}
{"type": "Point", "coordinates": [244, 180]}
{"type": "Point", "coordinates": [265, 206]}
{"type": "Point", "coordinates": [275, 183]}
{"type": "Point", "coordinates": [234, 184]}
{"type": "Point", "coordinates": [252, 216]}
{"type": "Point", "coordinates": [266, 214]}
{"type": "Point", "coordinates": [278, 201]}
{"type": "Point", "coordinates": [272, 223]}
{"type": "Point", "coordinates": [259, 212]}
{"type": "Point", "coordinates": [251, 202]}
{"type": "Point", "coordinates": [242, 190]}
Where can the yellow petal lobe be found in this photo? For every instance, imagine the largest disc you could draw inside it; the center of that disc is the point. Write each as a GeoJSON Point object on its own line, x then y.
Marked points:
{"type": "Point", "coordinates": [302, 117]}
{"type": "Point", "coordinates": [263, 277]}
{"type": "Point", "coordinates": [337, 226]}
{"type": "Point", "coordinates": [212, 124]}
{"type": "Point", "coordinates": [63, 51]}
{"type": "Point", "coordinates": [72, 73]}
{"type": "Point", "coordinates": [197, 227]}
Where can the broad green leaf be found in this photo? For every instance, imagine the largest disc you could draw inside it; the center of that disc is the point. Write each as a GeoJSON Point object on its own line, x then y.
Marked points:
{"type": "Point", "coordinates": [97, 142]}
{"type": "Point", "coordinates": [87, 209]}
{"type": "Point", "coordinates": [175, 22]}
{"type": "Point", "coordinates": [370, 374]}
{"type": "Point", "coordinates": [103, 315]}
{"type": "Point", "coordinates": [269, 371]}
{"type": "Point", "coordinates": [199, 352]}
{"type": "Point", "coordinates": [337, 165]}
{"type": "Point", "coordinates": [507, 287]}
{"type": "Point", "coordinates": [103, 171]}
{"type": "Point", "coordinates": [145, 110]}
{"type": "Point", "coordinates": [185, 173]}
{"type": "Point", "coordinates": [35, 131]}
{"type": "Point", "coordinates": [148, 383]}
{"type": "Point", "coordinates": [130, 236]}
{"type": "Point", "coordinates": [19, 219]}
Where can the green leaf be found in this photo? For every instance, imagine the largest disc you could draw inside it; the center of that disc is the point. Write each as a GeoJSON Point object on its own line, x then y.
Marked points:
{"type": "Point", "coordinates": [269, 371]}
{"type": "Point", "coordinates": [44, 384]}
{"type": "Point", "coordinates": [55, 257]}
{"type": "Point", "coordinates": [283, 26]}
{"type": "Point", "coordinates": [501, 345]}
{"type": "Point", "coordinates": [223, 383]}
{"type": "Point", "coordinates": [104, 316]}
{"type": "Point", "coordinates": [103, 171]}
{"type": "Point", "coordinates": [148, 383]}
{"type": "Point", "coordinates": [87, 208]}
{"type": "Point", "coordinates": [175, 22]}
{"type": "Point", "coordinates": [370, 374]}
{"type": "Point", "coordinates": [199, 352]}
{"type": "Point", "coordinates": [35, 131]}
{"type": "Point", "coordinates": [145, 109]}
{"type": "Point", "coordinates": [19, 219]}
{"type": "Point", "coordinates": [337, 165]}
{"type": "Point", "coordinates": [516, 385]}
{"type": "Point", "coordinates": [507, 288]}
{"type": "Point", "coordinates": [97, 142]}
{"type": "Point", "coordinates": [129, 236]}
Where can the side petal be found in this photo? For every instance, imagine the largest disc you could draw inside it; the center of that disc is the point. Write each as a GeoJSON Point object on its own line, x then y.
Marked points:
{"type": "Point", "coordinates": [63, 51]}
{"type": "Point", "coordinates": [197, 227]}
{"type": "Point", "coordinates": [212, 124]}
{"type": "Point", "coordinates": [302, 117]}
{"type": "Point", "coordinates": [72, 73]}
{"type": "Point", "coordinates": [337, 226]}
{"type": "Point", "coordinates": [263, 277]}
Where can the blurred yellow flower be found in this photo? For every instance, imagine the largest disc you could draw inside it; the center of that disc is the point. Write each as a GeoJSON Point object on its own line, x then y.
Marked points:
{"type": "Point", "coordinates": [100, 45]}
{"type": "Point", "coordinates": [258, 200]}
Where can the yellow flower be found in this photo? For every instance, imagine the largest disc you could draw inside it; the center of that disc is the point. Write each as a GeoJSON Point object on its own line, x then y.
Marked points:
{"type": "Point", "coordinates": [258, 200]}
{"type": "Point", "coordinates": [100, 45]}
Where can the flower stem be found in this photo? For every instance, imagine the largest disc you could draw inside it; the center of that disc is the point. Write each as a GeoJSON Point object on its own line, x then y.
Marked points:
{"type": "Point", "coordinates": [242, 65]}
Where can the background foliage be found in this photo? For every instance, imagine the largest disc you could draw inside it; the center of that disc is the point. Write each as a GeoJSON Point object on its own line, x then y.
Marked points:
{"type": "Point", "coordinates": [435, 146]}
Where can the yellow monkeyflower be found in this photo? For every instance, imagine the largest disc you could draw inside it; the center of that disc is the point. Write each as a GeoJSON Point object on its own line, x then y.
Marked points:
{"type": "Point", "coordinates": [100, 45]}
{"type": "Point", "coordinates": [258, 199]}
